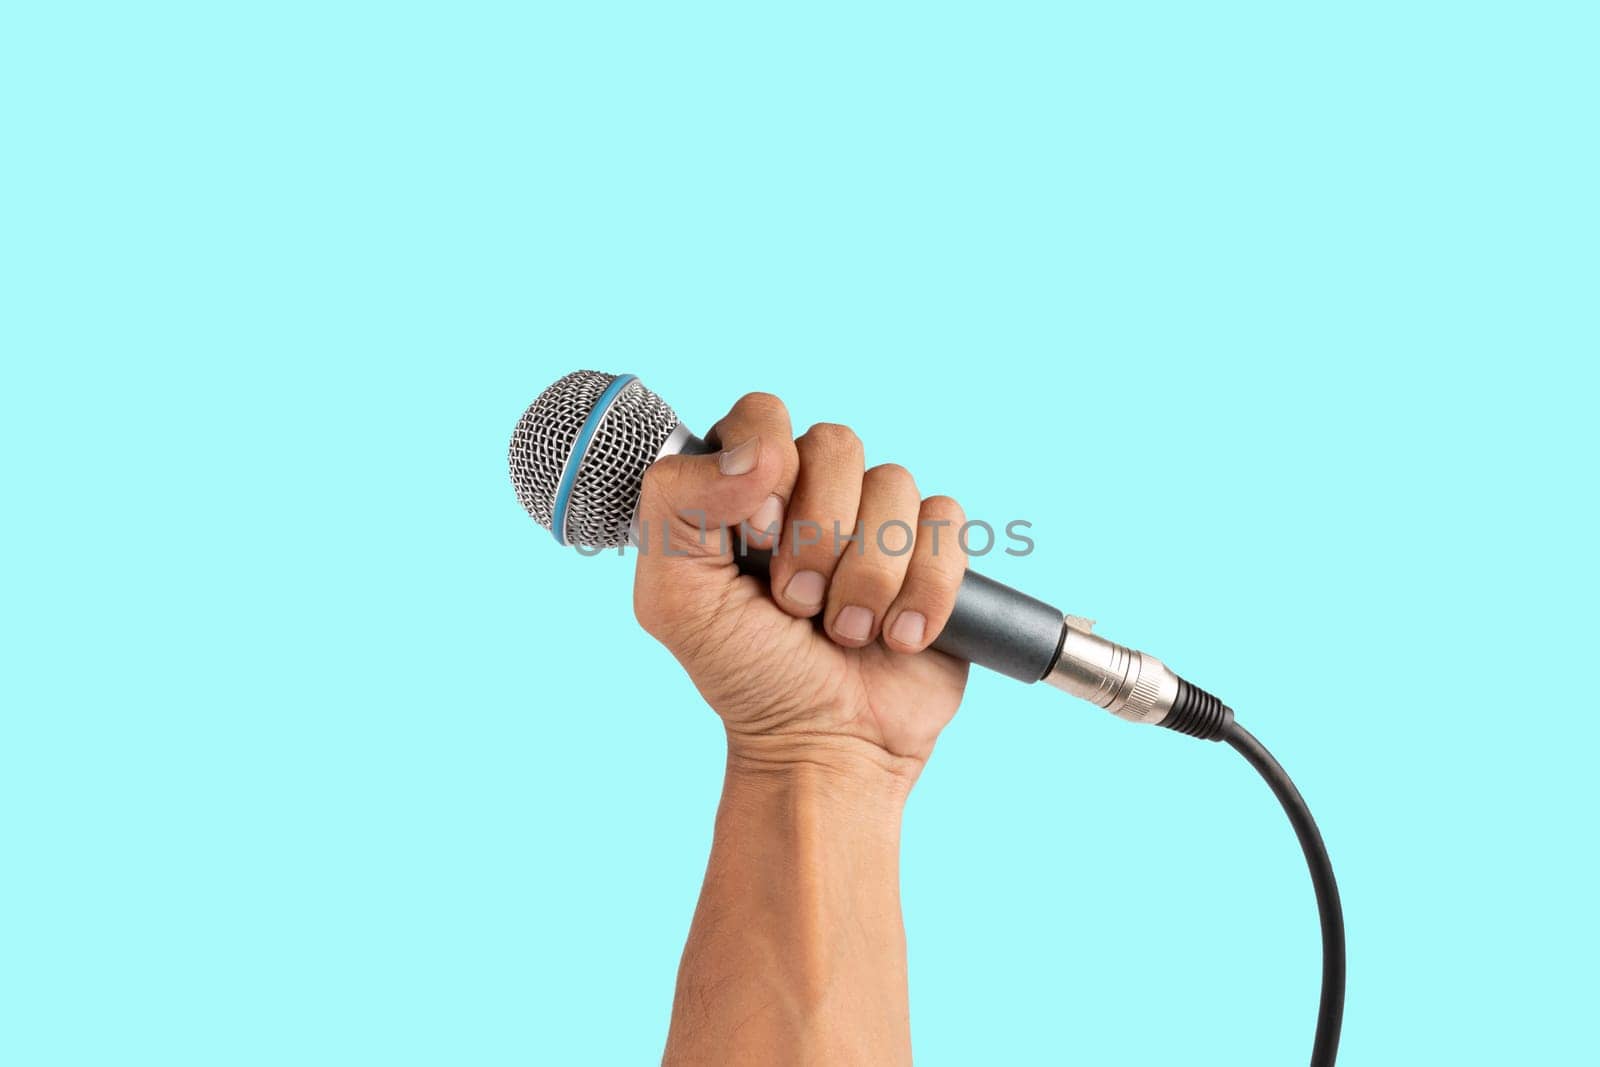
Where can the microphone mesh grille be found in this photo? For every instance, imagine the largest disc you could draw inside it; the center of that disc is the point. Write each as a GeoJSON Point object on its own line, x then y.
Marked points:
{"type": "Point", "coordinates": [605, 492]}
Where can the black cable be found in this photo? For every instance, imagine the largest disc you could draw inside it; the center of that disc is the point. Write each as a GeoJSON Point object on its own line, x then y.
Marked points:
{"type": "Point", "coordinates": [1199, 714]}
{"type": "Point", "coordinates": [1330, 1012]}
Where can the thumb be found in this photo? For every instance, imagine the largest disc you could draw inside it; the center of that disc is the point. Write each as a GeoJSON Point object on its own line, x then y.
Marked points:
{"type": "Point", "coordinates": [691, 508]}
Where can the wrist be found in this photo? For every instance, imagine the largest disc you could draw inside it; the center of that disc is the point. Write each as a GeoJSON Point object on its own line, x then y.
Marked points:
{"type": "Point", "coordinates": [848, 768]}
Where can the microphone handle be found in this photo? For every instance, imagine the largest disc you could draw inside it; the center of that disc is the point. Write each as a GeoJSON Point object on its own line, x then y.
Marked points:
{"type": "Point", "coordinates": [992, 625]}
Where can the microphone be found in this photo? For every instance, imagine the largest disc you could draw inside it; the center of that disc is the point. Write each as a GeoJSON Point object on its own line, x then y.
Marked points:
{"type": "Point", "coordinates": [578, 457]}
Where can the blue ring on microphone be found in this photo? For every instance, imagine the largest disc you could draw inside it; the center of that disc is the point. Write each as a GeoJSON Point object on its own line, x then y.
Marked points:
{"type": "Point", "coordinates": [558, 522]}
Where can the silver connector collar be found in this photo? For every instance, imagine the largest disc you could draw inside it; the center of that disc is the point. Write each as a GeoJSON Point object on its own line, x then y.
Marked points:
{"type": "Point", "coordinates": [1131, 685]}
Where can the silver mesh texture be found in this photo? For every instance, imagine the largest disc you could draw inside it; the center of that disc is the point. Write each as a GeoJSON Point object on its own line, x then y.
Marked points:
{"type": "Point", "coordinates": [544, 436]}
{"type": "Point", "coordinates": [605, 493]}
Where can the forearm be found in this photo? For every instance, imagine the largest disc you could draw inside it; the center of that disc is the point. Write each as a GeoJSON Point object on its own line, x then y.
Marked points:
{"type": "Point", "coordinates": [797, 949]}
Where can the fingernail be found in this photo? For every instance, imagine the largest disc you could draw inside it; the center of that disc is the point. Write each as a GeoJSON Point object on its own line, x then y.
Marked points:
{"type": "Point", "coordinates": [805, 589]}
{"type": "Point", "coordinates": [909, 628]}
{"type": "Point", "coordinates": [765, 522]}
{"type": "Point", "coordinates": [854, 623]}
{"type": "Point", "coordinates": [741, 459]}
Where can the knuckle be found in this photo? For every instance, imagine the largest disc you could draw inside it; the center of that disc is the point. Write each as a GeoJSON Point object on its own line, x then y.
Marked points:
{"type": "Point", "coordinates": [943, 509]}
{"type": "Point", "coordinates": [655, 474]}
{"type": "Point", "coordinates": [806, 540]}
{"type": "Point", "coordinates": [817, 558]}
{"type": "Point", "coordinates": [655, 487]}
{"type": "Point", "coordinates": [931, 589]}
{"type": "Point", "coordinates": [761, 403]}
{"type": "Point", "coordinates": [890, 480]}
{"type": "Point", "coordinates": [891, 476]}
{"type": "Point", "coordinates": [873, 582]}
{"type": "Point", "coordinates": [834, 438]}
{"type": "Point", "coordinates": [663, 490]}
{"type": "Point", "coordinates": [939, 548]}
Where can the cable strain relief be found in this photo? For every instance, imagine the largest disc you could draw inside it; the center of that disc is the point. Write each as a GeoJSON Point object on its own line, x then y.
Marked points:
{"type": "Point", "coordinates": [1198, 714]}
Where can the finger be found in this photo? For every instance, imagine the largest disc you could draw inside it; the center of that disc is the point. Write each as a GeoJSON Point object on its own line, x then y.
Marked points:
{"type": "Point", "coordinates": [871, 570]}
{"type": "Point", "coordinates": [928, 594]}
{"type": "Point", "coordinates": [762, 415]}
{"type": "Point", "coordinates": [690, 505]}
{"type": "Point", "coordinates": [825, 498]}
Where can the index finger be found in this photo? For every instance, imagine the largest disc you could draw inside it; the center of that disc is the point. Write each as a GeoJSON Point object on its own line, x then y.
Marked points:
{"type": "Point", "coordinates": [761, 417]}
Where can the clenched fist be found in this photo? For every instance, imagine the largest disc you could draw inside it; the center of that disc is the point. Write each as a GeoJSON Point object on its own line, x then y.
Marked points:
{"type": "Point", "coordinates": [828, 658]}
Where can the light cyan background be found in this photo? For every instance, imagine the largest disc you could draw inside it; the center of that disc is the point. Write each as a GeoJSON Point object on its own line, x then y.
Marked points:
{"type": "Point", "coordinates": [1277, 321]}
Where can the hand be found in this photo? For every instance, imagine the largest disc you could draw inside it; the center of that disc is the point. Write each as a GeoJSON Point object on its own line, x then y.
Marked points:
{"type": "Point", "coordinates": [786, 688]}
